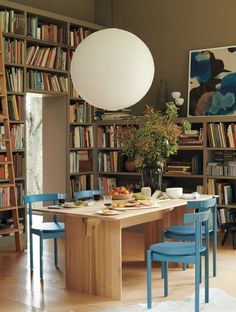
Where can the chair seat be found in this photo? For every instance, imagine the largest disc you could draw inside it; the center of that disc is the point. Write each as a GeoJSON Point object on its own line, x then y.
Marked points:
{"type": "Point", "coordinates": [49, 227]}
{"type": "Point", "coordinates": [183, 229]}
{"type": "Point", "coordinates": [176, 248]}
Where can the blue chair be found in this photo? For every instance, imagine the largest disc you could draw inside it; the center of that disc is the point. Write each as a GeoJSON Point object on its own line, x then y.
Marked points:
{"type": "Point", "coordinates": [86, 194]}
{"type": "Point", "coordinates": [187, 232]}
{"type": "Point", "coordinates": [184, 252]}
{"type": "Point", "coordinates": [45, 230]}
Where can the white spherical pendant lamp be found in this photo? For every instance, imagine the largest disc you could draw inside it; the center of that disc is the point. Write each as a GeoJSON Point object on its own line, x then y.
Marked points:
{"type": "Point", "coordinates": [112, 69]}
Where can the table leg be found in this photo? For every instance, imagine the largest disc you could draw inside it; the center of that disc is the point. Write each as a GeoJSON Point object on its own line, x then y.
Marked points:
{"type": "Point", "coordinates": [93, 256]}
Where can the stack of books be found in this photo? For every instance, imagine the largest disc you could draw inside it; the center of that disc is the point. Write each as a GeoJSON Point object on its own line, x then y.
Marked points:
{"type": "Point", "coordinates": [191, 137]}
{"type": "Point", "coordinates": [115, 115]}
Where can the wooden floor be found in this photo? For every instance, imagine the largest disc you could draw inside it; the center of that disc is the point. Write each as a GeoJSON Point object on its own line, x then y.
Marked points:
{"type": "Point", "coordinates": [19, 291]}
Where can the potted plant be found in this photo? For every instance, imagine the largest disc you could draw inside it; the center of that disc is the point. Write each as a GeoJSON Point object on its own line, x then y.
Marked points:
{"type": "Point", "coordinates": [151, 142]}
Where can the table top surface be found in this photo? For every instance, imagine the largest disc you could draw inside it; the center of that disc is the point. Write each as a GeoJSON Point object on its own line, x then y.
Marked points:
{"type": "Point", "coordinates": [92, 210]}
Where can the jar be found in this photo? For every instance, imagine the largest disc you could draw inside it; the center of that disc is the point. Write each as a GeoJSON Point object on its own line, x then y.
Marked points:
{"type": "Point", "coordinates": [146, 191]}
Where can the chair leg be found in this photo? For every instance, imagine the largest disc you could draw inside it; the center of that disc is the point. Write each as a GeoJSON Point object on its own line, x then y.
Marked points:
{"type": "Point", "coordinates": [162, 264]}
{"type": "Point", "coordinates": [31, 252]}
{"type": "Point", "coordinates": [234, 240]}
{"type": "Point", "coordinates": [165, 278]}
{"type": "Point", "coordinates": [225, 237]}
{"type": "Point", "coordinates": [207, 277]}
{"type": "Point", "coordinates": [41, 256]}
{"type": "Point", "coordinates": [184, 266]}
{"type": "Point", "coordinates": [214, 251]}
{"type": "Point", "coordinates": [197, 275]}
{"type": "Point", "coordinates": [149, 279]}
{"type": "Point", "coordinates": [55, 252]}
{"type": "Point", "coordinates": [200, 270]}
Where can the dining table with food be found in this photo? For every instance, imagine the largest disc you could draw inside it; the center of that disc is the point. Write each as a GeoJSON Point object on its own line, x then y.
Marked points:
{"type": "Point", "coordinates": [93, 235]}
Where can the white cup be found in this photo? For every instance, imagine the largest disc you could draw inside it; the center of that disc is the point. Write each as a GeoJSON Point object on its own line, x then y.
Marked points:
{"type": "Point", "coordinates": [179, 101]}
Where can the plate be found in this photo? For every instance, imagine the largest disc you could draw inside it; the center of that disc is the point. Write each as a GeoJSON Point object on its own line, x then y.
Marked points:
{"type": "Point", "coordinates": [138, 207]}
{"type": "Point", "coordinates": [110, 213]}
{"type": "Point", "coordinates": [71, 205]}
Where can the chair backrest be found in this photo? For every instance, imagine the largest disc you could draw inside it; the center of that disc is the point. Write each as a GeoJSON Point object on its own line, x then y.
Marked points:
{"type": "Point", "coordinates": [87, 194]}
{"type": "Point", "coordinates": [202, 205]}
{"type": "Point", "coordinates": [199, 219]}
{"type": "Point", "coordinates": [29, 199]}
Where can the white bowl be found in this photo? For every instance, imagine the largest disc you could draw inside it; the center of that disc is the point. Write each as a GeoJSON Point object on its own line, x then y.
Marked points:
{"type": "Point", "coordinates": [174, 192]}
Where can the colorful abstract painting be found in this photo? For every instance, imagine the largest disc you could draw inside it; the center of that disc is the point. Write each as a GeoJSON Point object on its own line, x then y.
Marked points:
{"type": "Point", "coordinates": [212, 82]}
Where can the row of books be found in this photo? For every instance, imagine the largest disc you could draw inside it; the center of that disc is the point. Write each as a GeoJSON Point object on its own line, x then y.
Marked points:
{"type": "Point", "coordinates": [222, 135]}
{"type": "Point", "coordinates": [110, 161]}
{"type": "Point", "coordinates": [43, 81]}
{"type": "Point", "coordinates": [194, 166]}
{"type": "Point", "coordinates": [191, 137]}
{"type": "Point", "coordinates": [16, 134]}
{"type": "Point", "coordinates": [5, 196]}
{"type": "Point", "coordinates": [14, 79]}
{"type": "Point", "coordinates": [221, 169]}
{"type": "Point", "coordinates": [4, 173]}
{"type": "Point", "coordinates": [73, 92]}
{"type": "Point", "coordinates": [106, 184]}
{"type": "Point", "coordinates": [225, 191]}
{"type": "Point", "coordinates": [12, 22]}
{"type": "Point", "coordinates": [105, 136]}
{"type": "Point", "coordinates": [19, 164]}
{"type": "Point", "coordinates": [13, 51]}
{"type": "Point", "coordinates": [77, 35]}
{"type": "Point", "coordinates": [81, 183]}
{"type": "Point", "coordinates": [20, 193]}
{"type": "Point", "coordinates": [55, 58]}
{"type": "Point", "coordinates": [224, 216]}
{"type": "Point", "coordinates": [80, 162]}
{"type": "Point", "coordinates": [80, 112]}
{"type": "Point", "coordinates": [81, 136]}
{"type": "Point", "coordinates": [47, 32]}
{"type": "Point", "coordinates": [16, 107]}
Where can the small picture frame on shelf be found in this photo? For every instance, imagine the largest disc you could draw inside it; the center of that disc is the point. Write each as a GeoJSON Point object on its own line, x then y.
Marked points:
{"type": "Point", "coordinates": [212, 82]}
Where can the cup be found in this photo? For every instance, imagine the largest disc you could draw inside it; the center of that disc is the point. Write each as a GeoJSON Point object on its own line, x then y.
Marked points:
{"type": "Point", "coordinates": [96, 195]}
{"type": "Point", "coordinates": [61, 198]}
{"type": "Point", "coordinates": [107, 202]}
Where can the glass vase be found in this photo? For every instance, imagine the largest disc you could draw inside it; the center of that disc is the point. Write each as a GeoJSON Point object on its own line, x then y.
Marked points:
{"type": "Point", "coordinates": [153, 177]}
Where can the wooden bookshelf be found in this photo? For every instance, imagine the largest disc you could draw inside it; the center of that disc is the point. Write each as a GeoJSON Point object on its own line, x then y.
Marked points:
{"type": "Point", "coordinates": [65, 97]}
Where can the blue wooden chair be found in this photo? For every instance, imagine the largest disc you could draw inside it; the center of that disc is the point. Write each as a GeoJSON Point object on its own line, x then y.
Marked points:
{"type": "Point", "coordinates": [184, 252]}
{"type": "Point", "coordinates": [187, 232]}
{"type": "Point", "coordinates": [86, 194]}
{"type": "Point", "coordinates": [45, 230]}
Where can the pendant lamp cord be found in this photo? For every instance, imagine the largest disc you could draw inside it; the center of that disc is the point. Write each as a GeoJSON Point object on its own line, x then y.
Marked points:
{"type": "Point", "coordinates": [112, 6]}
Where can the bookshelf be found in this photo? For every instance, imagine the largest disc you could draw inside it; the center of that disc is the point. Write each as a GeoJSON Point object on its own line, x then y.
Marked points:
{"type": "Point", "coordinates": [38, 47]}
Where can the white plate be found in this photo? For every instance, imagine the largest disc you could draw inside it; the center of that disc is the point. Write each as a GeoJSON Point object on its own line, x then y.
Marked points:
{"type": "Point", "coordinates": [71, 205]}
{"type": "Point", "coordinates": [110, 213]}
{"type": "Point", "coordinates": [135, 208]}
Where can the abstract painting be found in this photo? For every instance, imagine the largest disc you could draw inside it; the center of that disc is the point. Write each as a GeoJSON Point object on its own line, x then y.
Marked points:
{"type": "Point", "coordinates": [212, 82]}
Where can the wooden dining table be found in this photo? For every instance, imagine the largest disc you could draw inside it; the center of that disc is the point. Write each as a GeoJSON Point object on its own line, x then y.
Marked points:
{"type": "Point", "coordinates": [93, 242]}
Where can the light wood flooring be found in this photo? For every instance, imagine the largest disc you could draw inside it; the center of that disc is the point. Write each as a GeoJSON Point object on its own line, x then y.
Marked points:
{"type": "Point", "coordinates": [19, 291]}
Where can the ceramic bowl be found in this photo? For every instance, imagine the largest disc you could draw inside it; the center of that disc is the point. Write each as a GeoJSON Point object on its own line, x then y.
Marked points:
{"type": "Point", "coordinates": [174, 192]}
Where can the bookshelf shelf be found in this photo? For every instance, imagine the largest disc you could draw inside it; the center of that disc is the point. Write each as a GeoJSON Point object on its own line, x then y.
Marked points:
{"type": "Point", "coordinates": [109, 148]}
{"type": "Point", "coordinates": [15, 93]}
{"type": "Point", "coordinates": [14, 65]}
{"type": "Point", "coordinates": [221, 148]}
{"type": "Point", "coordinates": [52, 70]}
{"type": "Point", "coordinates": [191, 176]}
{"type": "Point", "coordinates": [81, 173]}
{"type": "Point", "coordinates": [222, 177]}
{"type": "Point", "coordinates": [81, 124]}
{"type": "Point", "coordinates": [14, 36]}
{"type": "Point", "coordinates": [45, 92]}
{"type": "Point", "coordinates": [121, 173]}
{"type": "Point", "coordinates": [47, 43]}
{"type": "Point", "coordinates": [190, 148]}
{"type": "Point", "coordinates": [81, 148]}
